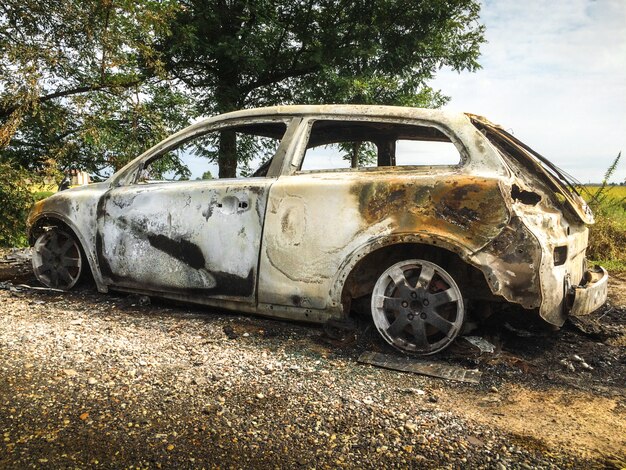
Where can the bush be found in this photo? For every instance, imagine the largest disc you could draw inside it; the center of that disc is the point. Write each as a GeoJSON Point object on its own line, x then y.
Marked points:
{"type": "Point", "coordinates": [607, 239]}
{"type": "Point", "coordinates": [16, 202]}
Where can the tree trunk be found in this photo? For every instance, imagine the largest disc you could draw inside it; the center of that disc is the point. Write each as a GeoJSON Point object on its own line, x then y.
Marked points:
{"type": "Point", "coordinates": [227, 155]}
{"type": "Point", "coordinates": [354, 157]}
{"type": "Point", "coordinates": [227, 94]}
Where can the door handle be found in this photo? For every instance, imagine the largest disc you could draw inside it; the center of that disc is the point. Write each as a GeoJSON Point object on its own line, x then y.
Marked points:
{"type": "Point", "coordinates": [232, 204]}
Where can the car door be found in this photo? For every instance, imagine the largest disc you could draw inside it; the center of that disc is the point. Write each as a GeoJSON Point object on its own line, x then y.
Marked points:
{"type": "Point", "coordinates": [199, 238]}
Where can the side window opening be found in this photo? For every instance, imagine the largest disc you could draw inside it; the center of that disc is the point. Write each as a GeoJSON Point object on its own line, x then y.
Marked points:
{"type": "Point", "coordinates": [252, 145]}
{"type": "Point", "coordinates": [344, 145]}
{"type": "Point", "coordinates": [340, 155]}
{"type": "Point", "coordinates": [426, 152]}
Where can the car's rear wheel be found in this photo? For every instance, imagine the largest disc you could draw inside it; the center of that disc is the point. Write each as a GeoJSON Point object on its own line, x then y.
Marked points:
{"type": "Point", "coordinates": [58, 260]}
{"type": "Point", "coordinates": [417, 307]}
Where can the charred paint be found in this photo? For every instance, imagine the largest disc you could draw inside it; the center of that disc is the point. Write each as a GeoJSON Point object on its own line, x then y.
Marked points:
{"type": "Point", "coordinates": [122, 203]}
{"type": "Point", "coordinates": [227, 284]}
{"type": "Point", "coordinates": [296, 300]}
{"type": "Point", "coordinates": [183, 250]}
{"type": "Point", "coordinates": [458, 204]}
{"type": "Point", "coordinates": [516, 256]}
{"type": "Point", "coordinates": [462, 217]}
{"type": "Point", "coordinates": [208, 212]}
{"type": "Point", "coordinates": [514, 246]}
{"type": "Point", "coordinates": [467, 207]}
{"type": "Point", "coordinates": [105, 267]}
{"type": "Point", "coordinates": [289, 224]}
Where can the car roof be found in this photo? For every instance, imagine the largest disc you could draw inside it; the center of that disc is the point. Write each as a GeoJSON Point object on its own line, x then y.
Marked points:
{"type": "Point", "coordinates": [346, 110]}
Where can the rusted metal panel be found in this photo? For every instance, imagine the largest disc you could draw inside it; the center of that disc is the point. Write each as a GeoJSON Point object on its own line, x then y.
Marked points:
{"type": "Point", "coordinates": [325, 218]}
{"type": "Point", "coordinates": [592, 294]}
{"type": "Point", "coordinates": [535, 163]}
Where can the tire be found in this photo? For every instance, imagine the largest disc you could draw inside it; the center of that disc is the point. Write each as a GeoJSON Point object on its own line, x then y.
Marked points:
{"type": "Point", "coordinates": [417, 307]}
{"type": "Point", "coordinates": [58, 260]}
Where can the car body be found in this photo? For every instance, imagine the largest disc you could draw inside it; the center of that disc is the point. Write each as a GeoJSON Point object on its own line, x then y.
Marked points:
{"type": "Point", "coordinates": [417, 244]}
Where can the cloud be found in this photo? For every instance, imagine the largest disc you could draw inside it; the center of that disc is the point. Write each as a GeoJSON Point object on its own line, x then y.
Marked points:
{"type": "Point", "coordinates": [554, 73]}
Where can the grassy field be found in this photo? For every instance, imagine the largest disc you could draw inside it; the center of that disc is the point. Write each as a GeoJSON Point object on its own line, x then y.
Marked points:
{"type": "Point", "coordinates": [612, 202]}
{"type": "Point", "coordinates": [607, 238]}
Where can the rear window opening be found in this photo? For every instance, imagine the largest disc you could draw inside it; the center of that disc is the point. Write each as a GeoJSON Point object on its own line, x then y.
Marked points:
{"type": "Point", "coordinates": [520, 157]}
{"type": "Point", "coordinates": [337, 145]}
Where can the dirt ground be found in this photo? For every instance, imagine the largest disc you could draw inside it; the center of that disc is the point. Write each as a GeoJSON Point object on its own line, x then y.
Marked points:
{"type": "Point", "coordinates": [93, 380]}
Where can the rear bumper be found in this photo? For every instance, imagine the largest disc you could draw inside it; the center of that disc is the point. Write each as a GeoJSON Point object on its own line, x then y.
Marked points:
{"type": "Point", "coordinates": [591, 295]}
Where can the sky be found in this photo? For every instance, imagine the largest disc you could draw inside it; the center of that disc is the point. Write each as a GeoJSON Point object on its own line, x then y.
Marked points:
{"type": "Point", "coordinates": [554, 74]}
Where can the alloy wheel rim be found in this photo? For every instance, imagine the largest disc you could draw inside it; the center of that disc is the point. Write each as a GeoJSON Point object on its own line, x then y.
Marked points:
{"type": "Point", "coordinates": [417, 307]}
{"type": "Point", "coordinates": [57, 260]}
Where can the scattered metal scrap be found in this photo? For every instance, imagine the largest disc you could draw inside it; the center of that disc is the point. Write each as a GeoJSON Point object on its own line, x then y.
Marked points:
{"type": "Point", "coordinates": [41, 289]}
{"type": "Point", "coordinates": [19, 287]}
{"type": "Point", "coordinates": [429, 368]}
{"type": "Point", "coordinates": [481, 343]}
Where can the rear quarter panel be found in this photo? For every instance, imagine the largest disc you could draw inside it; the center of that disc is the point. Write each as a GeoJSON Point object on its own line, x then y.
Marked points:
{"type": "Point", "coordinates": [317, 221]}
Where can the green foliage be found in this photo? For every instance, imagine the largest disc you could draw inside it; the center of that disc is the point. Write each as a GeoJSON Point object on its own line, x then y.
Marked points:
{"type": "Point", "coordinates": [169, 168]}
{"type": "Point", "coordinates": [39, 195]}
{"type": "Point", "coordinates": [16, 202]}
{"type": "Point", "coordinates": [359, 154]}
{"type": "Point", "coordinates": [75, 88]}
{"type": "Point", "coordinates": [607, 240]}
{"type": "Point", "coordinates": [206, 176]}
{"type": "Point", "coordinates": [601, 198]}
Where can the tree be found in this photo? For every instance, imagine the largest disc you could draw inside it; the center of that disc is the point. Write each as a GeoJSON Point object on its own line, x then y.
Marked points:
{"type": "Point", "coordinates": [16, 201]}
{"type": "Point", "coordinates": [241, 53]}
{"type": "Point", "coordinates": [75, 90]}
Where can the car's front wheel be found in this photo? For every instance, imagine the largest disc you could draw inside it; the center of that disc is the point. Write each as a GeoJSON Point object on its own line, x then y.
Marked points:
{"type": "Point", "coordinates": [57, 259]}
{"type": "Point", "coordinates": [417, 307]}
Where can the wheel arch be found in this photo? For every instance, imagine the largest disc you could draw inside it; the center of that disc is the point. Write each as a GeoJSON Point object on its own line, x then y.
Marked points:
{"type": "Point", "coordinates": [52, 219]}
{"type": "Point", "coordinates": [361, 269]}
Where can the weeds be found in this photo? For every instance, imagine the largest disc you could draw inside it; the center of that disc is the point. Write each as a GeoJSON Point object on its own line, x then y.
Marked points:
{"type": "Point", "coordinates": [602, 198]}
{"type": "Point", "coordinates": [607, 237]}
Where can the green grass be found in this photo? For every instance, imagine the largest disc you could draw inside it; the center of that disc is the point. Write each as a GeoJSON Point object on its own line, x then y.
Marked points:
{"type": "Point", "coordinates": [39, 195]}
{"type": "Point", "coordinates": [611, 202]}
{"type": "Point", "coordinates": [611, 265]}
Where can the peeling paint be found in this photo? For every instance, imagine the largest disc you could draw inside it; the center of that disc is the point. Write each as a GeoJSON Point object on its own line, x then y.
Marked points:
{"type": "Point", "coordinates": [181, 249]}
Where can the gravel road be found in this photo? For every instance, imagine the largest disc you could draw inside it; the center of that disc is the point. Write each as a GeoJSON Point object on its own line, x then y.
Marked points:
{"type": "Point", "coordinates": [112, 381]}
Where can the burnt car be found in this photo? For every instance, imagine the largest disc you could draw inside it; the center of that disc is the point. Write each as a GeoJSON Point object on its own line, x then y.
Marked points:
{"type": "Point", "coordinates": [416, 217]}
